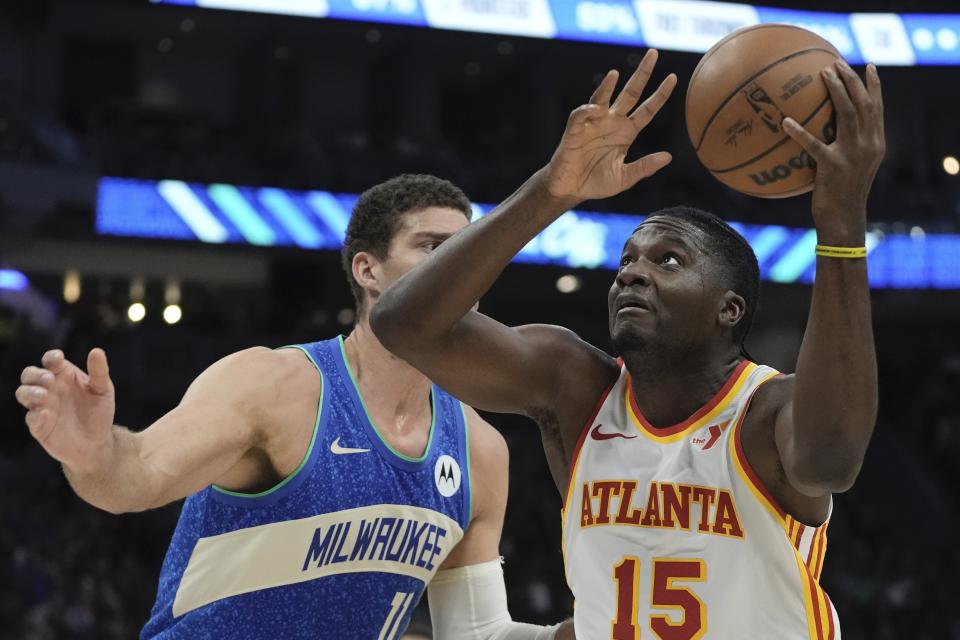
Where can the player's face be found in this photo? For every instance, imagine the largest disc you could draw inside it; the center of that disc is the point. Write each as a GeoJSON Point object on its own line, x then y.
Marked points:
{"type": "Point", "coordinates": [421, 232]}
{"type": "Point", "coordinates": [663, 290]}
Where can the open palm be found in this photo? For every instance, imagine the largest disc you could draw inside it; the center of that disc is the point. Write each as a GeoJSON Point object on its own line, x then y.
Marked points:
{"type": "Point", "coordinates": [70, 412]}
{"type": "Point", "coordinates": [590, 161]}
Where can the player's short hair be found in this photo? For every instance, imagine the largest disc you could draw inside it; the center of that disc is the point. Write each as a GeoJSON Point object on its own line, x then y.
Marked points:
{"type": "Point", "coordinates": [379, 213]}
{"type": "Point", "coordinates": [738, 263]}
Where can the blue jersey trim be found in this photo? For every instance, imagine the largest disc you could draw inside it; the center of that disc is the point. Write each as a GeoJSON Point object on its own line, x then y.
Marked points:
{"type": "Point", "coordinates": [289, 484]}
{"type": "Point", "coordinates": [465, 455]}
{"type": "Point", "coordinates": [388, 453]}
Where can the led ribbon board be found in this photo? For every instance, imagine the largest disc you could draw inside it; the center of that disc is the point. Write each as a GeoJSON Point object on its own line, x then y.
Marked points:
{"type": "Point", "coordinates": [680, 25]}
{"type": "Point", "coordinates": [265, 216]}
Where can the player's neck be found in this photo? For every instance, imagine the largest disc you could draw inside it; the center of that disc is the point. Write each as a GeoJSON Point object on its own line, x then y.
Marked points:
{"type": "Point", "coordinates": [669, 389]}
{"type": "Point", "coordinates": [390, 387]}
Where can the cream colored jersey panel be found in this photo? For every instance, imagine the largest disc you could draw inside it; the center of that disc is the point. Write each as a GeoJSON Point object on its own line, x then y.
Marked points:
{"type": "Point", "coordinates": [668, 534]}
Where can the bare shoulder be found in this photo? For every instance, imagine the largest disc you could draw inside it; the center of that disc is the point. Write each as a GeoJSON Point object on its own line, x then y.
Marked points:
{"type": "Point", "coordinates": [489, 455]}
{"type": "Point", "coordinates": [568, 345]}
{"type": "Point", "coordinates": [247, 363]}
{"type": "Point", "coordinates": [489, 481]}
{"type": "Point", "coordinates": [580, 369]}
{"type": "Point", "coordinates": [773, 395]}
{"type": "Point", "coordinates": [292, 385]}
{"type": "Point", "coordinates": [255, 371]}
{"type": "Point", "coordinates": [580, 374]}
{"type": "Point", "coordinates": [489, 468]}
{"type": "Point", "coordinates": [271, 386]}
{"type": "Point", "coordinates": [760, 443]}
{"type": "Point", "coordinates": [759, 425]}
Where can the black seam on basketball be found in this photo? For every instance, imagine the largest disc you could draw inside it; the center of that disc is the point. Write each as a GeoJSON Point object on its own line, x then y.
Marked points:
{"type": "Point", "coordinates": [779, 144]}
{"type": "Point", "coordinates": [733, 93]}
{"type": "Point", "coordinates": [796, 191]}
{"type": "Point", "coordinates": [716, 47]}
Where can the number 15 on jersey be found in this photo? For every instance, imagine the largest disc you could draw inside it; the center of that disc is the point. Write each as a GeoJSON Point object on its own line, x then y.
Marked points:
{"type": "Point", "coordinates": [664, 594]}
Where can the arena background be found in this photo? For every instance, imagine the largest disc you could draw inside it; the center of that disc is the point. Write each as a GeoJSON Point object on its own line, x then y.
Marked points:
{"type": "Point", "coordinates": [130, 89]}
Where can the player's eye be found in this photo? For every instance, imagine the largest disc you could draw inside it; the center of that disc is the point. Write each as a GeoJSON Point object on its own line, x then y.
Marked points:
{"type": "Point", "coordinates": [625, 260]}
{"type": "Point", "coordinates": [670, 259]}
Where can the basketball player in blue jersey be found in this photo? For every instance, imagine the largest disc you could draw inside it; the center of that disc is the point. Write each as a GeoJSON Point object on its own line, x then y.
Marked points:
{"type": "Point", "coordinates": [702, 492]}
{"type": "Point", "coordinates": [326, 484]}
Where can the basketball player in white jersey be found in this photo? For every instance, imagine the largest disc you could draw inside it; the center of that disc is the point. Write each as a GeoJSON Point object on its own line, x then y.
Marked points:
{"type": "Point", "coordinates": [697, 484]}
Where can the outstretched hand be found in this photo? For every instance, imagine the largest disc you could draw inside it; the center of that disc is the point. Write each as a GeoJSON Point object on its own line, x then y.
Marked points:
{"type": "Point", "coordinates": [70, 412]}
{"type": "Point", "coordinates": [847, 166]}
{"type": "Point", "coordinates": [590, 161]}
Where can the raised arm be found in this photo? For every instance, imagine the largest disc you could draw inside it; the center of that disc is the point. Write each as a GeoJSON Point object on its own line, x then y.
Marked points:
{"type": "Point", "coordinates": [71, 413]}
{"type": "Point", "coordinates": [425, 317]}
{"type": "Point", "coordinates": [823, 430]}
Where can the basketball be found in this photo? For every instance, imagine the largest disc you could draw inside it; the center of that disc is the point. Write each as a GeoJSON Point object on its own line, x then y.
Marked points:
{"type": "Point", "coordinates": [739, 94]}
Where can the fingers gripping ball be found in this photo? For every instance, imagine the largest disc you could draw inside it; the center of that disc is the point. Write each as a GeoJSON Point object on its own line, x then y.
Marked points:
{"type": "Point", "coordinates": [738, 96]}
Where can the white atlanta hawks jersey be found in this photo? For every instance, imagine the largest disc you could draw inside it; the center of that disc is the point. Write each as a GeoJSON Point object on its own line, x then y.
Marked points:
{"type": "Point", "coordinates": [668, 533]}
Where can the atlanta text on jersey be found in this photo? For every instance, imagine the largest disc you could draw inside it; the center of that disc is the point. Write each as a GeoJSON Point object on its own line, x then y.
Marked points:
{"type": "Point", "coordinates": [668, 506]}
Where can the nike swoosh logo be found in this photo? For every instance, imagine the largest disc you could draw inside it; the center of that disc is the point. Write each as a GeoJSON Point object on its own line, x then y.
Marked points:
{"type": "Point", "coordinates": [337, 449]}
{"type": "Point", "coordinates": [596, 434]}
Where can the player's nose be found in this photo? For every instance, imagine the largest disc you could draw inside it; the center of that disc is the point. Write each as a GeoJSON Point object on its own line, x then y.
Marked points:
{"type": "Point", "coordinates": [636, 273]}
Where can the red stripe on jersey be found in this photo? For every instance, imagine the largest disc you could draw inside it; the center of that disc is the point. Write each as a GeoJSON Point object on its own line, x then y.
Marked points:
{"type": "Point", "coordinates": [815, 601]}
{"type": "Point", "coordinates": [583, 435]}
{"type": "Point", "coordinates": [813, 549]}
{"type": "Point", "coordinates": [823, 554]}
{"type": "Point", "coordinates": [830, 634]}
{"type": "Point", "coordinates": [702, 411]}
{"type": "Point", "coordinates": [818, 558]}
{"type": "Point", "coordinates": [800, 529]}
{"type": "Point", "coordinates": [747, 467]}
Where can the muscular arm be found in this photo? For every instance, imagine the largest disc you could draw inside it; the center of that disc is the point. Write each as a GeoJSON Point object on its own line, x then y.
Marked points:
{"type": "Point", "coordinates": [425, 317]}
{"type": "Point", "coordinates": [198, 443]}
{"type": "Point", "coordinates": [489, 482]}
{"type": "Point", "coordinates": [823, 430]}
{"type": "Point", "coordinates": [480, 360]}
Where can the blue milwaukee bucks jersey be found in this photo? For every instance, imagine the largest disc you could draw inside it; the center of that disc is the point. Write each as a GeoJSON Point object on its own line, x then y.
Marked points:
{"type": "Point", "coordinates": [342, 548]}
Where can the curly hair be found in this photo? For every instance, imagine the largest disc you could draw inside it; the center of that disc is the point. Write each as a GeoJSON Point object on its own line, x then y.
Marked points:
{"type": "Point", "coordinates": [379, 213]}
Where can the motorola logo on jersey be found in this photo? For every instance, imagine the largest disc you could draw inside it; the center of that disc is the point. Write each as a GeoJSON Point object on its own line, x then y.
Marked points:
{"type": "Point", "coordinates": [446, 473]}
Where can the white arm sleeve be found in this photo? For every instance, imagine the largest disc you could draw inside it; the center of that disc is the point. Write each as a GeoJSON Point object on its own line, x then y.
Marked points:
{"type": "Point", "coordinates": [470, 603]}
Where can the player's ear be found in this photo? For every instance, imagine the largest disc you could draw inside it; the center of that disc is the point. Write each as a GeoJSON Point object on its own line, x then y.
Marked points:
{"type": "Point", "coordinates": [733, 309]}
{"type": "Point", "coordinates": [368, 272]}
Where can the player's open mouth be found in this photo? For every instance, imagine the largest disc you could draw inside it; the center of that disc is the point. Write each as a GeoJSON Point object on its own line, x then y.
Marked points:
{"type": "Point", "coordinates": [627, 312]}
{"type": "Point", "coordinates": [633, 304]}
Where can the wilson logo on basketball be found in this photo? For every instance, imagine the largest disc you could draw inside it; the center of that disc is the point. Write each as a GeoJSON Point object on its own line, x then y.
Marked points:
{"type": "Point", "coordinates": [781, 171]}
{"type": "Point", "coordinates": [800, 161]}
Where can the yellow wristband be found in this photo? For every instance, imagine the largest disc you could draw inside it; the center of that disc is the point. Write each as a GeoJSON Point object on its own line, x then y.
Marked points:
{"type": "Point", "coordinates": [841, 252]}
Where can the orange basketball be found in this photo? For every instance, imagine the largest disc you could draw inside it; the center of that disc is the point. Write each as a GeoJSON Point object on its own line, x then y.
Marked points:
{"type": "Point", "coordinates": [738, 96]}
